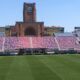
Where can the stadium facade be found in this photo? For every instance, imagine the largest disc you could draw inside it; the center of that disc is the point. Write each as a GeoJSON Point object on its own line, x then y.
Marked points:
{"type": "Point", "coordinates": [30, 26]}
{"type": "Point", "coordinates": [31, 36]}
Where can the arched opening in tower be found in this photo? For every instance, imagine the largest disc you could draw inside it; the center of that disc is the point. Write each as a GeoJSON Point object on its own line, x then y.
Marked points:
{"type": "Point", "coordinates": [30, 32]}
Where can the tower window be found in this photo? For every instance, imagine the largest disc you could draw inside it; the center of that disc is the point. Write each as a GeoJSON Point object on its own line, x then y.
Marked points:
{"type": "Point", "coordinates": [29, 9]}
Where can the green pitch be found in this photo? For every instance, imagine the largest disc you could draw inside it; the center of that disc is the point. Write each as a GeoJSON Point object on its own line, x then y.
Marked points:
{"type": "Point", "coordinates": [40, 67]}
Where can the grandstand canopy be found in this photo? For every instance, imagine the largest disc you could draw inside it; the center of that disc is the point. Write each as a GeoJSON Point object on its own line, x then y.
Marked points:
{"type": "Point", "coordinates": [64, 34]}
{"type": "Point", "coordinates": [2, 34]}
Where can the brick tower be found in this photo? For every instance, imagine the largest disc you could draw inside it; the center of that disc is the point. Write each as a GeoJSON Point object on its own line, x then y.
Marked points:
{"type": "Point", "coordinates": [29, 26]}
{"type": "Point", "coordinates": [29, 12]}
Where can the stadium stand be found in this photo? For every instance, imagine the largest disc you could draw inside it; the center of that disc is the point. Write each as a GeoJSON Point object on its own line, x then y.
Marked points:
{"type": "Point", "coordinates": [77, 33]}
{"type": "Point", "coordinates": [77, 44]}
{"type": "Point", "coordinates": [37, 42]}
{"type": "Point", "coordinates": [24, 42]}
{"type": "Point", "coordinates": [11, 43]}
{"type": "Point", "coordinates": [49, 43]}
{"type": "Point", "coordinates": [66, 42]}
{"type": "Point", "coordinates": [2, 44]}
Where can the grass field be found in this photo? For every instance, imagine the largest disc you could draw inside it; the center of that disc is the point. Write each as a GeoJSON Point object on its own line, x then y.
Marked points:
{"type": "Point", "coordinates": [40, 67]}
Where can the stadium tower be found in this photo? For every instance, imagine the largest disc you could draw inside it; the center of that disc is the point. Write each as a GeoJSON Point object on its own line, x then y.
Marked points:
{"type": "Point", "coordinates": [29, 26]}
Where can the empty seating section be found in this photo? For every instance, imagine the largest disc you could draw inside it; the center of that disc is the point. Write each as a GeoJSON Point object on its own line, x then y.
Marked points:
{"type": "Point", "coordinates": [49, 42]}
{"type": "Point", "coordinates": [62, 42]}
{"type": "Point", "coordinates": [1, 43]}
{"type": "Point", "coordinates": [77, 47]}
{"type": "Point", "coordinates": [66, 42]}
{"type": "Point", "coordinates": [24, 42]}
{"type": "Point", "coordinates": [77, 43]}
{"type": "Point", "coordinates": [37, 42]}
{"type": "Point", "coordinates": [11, 43]}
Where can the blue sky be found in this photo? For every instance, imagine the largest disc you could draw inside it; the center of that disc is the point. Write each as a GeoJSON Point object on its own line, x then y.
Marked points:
{"type": "Point", "coordinates": [65, 13]}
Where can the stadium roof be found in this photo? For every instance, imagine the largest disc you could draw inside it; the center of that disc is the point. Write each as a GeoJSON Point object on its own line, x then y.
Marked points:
{"type": "Point", "coordinates": [64, 34]}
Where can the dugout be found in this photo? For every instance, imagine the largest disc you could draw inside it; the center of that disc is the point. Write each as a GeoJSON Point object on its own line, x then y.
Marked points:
{"type": "Point", "coordinates": [31, 51]}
